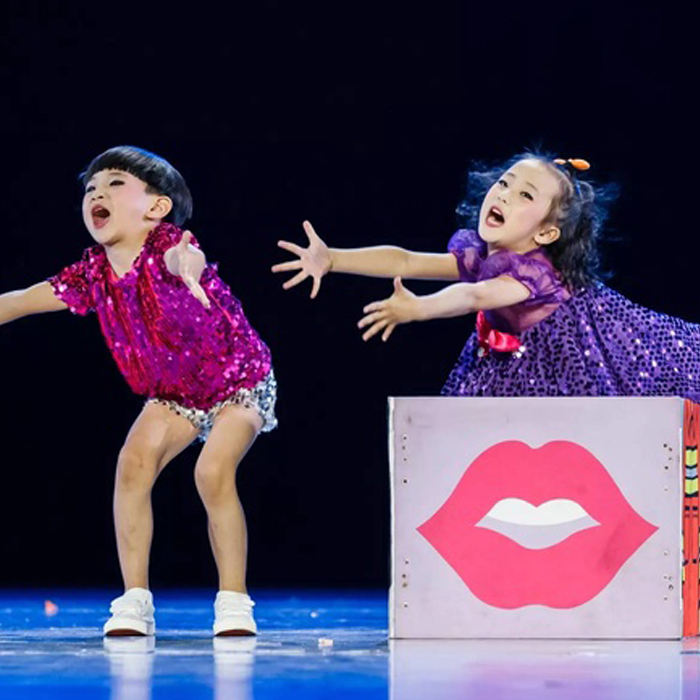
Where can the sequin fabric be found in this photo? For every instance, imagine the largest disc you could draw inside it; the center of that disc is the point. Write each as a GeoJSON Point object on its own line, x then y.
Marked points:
{"type": "Point", "coordinates": [261, 397]}
{"type": "Point", "coordinates": [592, 343]}
{"type": "Point", "coordinates": [165, 343]}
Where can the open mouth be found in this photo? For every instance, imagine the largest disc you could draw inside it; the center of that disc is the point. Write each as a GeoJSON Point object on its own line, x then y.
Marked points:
{"type": "Point", "coordinates": [100, 215]}
{"type": "Point", "coordinates": [545, 526]}
{"type": "Point", "coordinates": [495, 217]}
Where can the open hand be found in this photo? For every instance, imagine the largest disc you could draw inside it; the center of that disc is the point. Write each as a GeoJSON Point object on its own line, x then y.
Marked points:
{"type": "Point", "coordinates": [190, 265]}
{"type": "Point", "coordinates": [314, 261]}
{"type": "Point", "coordinates": [400, 307]}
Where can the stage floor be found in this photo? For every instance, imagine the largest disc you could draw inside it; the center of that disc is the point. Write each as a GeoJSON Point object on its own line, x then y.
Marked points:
{"type": "Point", "coordinates": [312, 644]}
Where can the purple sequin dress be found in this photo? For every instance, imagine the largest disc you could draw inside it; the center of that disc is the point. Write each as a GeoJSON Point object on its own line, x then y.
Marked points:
{"type": "Point", "coordinates": [594, 342]}
{"type": "Point", "coordinates": [166, 343]}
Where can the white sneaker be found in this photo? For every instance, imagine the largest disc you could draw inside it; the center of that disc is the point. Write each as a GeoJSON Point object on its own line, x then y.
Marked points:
{"type": "Point", "coordinates": [234, 615]}
{"type": "Point", "coordinates": [132, 615]}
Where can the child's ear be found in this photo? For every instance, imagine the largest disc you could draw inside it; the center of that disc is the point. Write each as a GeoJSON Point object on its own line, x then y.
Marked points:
{"type": "Point", "coordinates": [548, 235]}
{"type": "Point", "coordinates": [161, 207]}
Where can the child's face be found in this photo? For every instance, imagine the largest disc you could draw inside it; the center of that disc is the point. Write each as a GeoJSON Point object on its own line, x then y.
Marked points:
{"type": "Point", "coordinates": [116, 205]}
{"type": "Point", "coordinates": [514, 211]}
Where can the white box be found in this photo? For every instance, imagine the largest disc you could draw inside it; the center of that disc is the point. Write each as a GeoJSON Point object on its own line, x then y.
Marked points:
{"type": "Point", "coordinates": [540, 518]}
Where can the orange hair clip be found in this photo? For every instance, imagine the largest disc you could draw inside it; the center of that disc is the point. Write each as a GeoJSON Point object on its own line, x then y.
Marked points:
{"type": "Point", "coordinates": [577, 163]}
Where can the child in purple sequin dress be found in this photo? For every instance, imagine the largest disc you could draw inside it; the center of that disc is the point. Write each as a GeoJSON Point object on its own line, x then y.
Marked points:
{"type": "Point", "coordinates": [181, 340]}
{"type": "Point", "coordinates": [546, 325]}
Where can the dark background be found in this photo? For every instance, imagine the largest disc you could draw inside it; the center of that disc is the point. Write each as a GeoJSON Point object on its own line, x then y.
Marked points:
{"type": "Point", "coordinates": [363, 119]}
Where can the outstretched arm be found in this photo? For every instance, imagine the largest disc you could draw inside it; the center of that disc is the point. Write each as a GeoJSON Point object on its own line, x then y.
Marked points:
{"type": "Point", "coordinates": [188, 262]}
{"type": "Point", "coordinates": [37, 299]}
{"type": "Point", "coordinates": [456, 300]}
{"type": "Point", "coordinates": [318, 259]}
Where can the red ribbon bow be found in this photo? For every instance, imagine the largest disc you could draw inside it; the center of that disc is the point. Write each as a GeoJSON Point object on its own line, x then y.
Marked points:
{"type": "Point", "coordinates": [491, 339]}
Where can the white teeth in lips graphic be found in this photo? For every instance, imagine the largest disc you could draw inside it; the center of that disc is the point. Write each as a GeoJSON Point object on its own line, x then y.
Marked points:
{"type": "Point", "coordinates": [554, 512]}
{"type": "Point", "coordinates": [537, 527]}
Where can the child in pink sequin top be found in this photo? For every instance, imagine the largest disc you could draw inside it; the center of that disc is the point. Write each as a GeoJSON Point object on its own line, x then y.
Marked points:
{"type": "Point", "coordinates": [168, 346]}
{"type": "Point", "coordinates": [181, 340]}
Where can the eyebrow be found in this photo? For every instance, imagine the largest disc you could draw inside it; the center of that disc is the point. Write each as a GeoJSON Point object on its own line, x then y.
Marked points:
{"type": "Point", "coordinates": [529, 184]}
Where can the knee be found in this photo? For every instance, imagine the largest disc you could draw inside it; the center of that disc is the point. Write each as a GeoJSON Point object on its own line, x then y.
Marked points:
{"type": "Point", "coordinates": [136, 470]}
{"type": "Point", "coordinates": [215, 480]}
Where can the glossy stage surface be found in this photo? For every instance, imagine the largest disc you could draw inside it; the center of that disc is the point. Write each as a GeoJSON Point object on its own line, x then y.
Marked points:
{"type": "Point", "coordinates": [314, 644]}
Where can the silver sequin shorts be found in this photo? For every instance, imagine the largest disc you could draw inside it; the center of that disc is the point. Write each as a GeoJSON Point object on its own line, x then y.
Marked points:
{"type": "Point", "coordinates": [261, 397]}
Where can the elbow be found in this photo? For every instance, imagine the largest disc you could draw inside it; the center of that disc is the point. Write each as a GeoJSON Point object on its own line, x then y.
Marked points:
{"type": "Point", "coordinates": [484, 296]}
{"type": "Point", "coordinates": [475, 298]}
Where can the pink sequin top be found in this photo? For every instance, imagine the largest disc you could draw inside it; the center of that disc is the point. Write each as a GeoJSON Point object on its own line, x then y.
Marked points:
{"type": "Point", "coordinates": [165, 342]}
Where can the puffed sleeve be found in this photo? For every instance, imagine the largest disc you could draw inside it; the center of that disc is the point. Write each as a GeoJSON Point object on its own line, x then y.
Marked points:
{"type": "Point", "coordinates": [470, 251]}
{"type": "Point", "coordinates": [535, 273]}
{"type": "Point", "coordinates": [72, 286]}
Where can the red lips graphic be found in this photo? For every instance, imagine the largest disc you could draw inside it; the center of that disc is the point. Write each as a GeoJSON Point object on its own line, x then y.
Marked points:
{"type": "Point", "coordinates": [502, 573]}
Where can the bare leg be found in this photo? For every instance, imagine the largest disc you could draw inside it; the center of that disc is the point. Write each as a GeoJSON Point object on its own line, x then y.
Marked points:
{"type": "Point", "coordinates": [234, 431]}
{"type": "Point", "coordinates": [156, 437]}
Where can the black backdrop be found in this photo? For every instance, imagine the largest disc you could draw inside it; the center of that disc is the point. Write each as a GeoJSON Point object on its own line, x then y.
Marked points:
{"type": "Point", "coordinates": [362, 118]}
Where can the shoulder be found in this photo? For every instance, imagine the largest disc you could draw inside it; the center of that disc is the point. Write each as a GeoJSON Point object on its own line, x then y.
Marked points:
{"type": "Point", "coordinates": [74, 285]}
{"type": "Point", "coordinates": [166, 236]}
{"type": "Point", "coordinates": [470, 252]}
{"type": "Point", "coordinates": [464, 239]}
{"type": "Point", "coordinates": [89, 266]}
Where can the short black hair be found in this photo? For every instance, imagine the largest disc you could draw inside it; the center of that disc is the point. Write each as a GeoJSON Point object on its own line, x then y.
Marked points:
{"type": "Point", "coordinates": [160, 177]}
